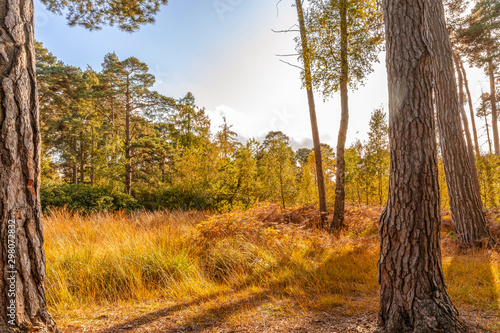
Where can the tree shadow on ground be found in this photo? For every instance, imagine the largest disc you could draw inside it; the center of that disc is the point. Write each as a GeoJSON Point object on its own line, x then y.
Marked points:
{"type": "Point", "coordinates": [239, 299]}
{"type": "Point", "coordinates": [471, 278]}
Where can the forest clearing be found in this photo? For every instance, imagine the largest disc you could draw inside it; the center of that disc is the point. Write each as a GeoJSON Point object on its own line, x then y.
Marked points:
{"type": "Point", "coordinates": [261, 270]}
{"type": "Point", "coordinates": [249, 166]}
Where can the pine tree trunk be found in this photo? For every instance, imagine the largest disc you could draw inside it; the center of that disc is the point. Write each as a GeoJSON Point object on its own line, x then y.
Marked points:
{"type": "Point", "coordinates": [470, 146]}
{"type": "Point", "coordinates": [92, 162]}
{"type": "Point", "coordinates": [74, 170]}
{"type": "Point", "coordinates": [413, 296]}
{"type": "Point", "coordinates": [82, 161]}
{"type": "Point", "coordinates": [312, 113]}
{"type": "Point", "coordinates": [471, 107]}
{"type": "Point", "coordinates": [465, 201]}
{"type": "Point", "coordinates": [493, 100]}
{"type": "Point", "coordinates": [128, 140]}
{"type": "Point", "coordinates": [74, 166]}
{"type": "Point", "coordinates": [338, 213]}
{"type": "Point", "coordinates": [488, 137]}
{"type": "Point", "coordinates": [21, 228]}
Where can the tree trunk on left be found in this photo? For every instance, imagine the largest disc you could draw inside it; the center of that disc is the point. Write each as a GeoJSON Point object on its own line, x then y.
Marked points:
{"type": "Point", "coordinates": [312, 113]}
{"type": "Point", "coordinates": [465, 201]}
{"type": "Point", "coordinates": [22, 259]}
{"type": "Point", "coordinates": [338, 213]}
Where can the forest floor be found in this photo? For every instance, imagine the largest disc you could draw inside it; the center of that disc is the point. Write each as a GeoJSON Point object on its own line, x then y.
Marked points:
{"type": "Point", "coordinates": [255, 315]}
{"type": "Point", "coordinates": [328, 285]}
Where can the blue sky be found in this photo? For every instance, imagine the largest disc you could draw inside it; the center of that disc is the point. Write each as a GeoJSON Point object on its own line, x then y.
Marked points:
{"type": "Point", "coordinates": [225, 53]}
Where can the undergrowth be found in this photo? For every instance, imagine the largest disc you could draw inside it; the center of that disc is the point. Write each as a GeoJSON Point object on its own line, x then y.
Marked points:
{"type": "Point", "coordinates": [109, 258]}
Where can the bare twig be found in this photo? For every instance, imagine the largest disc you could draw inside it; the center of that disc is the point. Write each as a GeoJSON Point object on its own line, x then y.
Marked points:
{"type": "Point", "coordinates": [286, 62]}
{"type": "Point", "coordinates": [287, 30]}
{"type": "Point", "coordinates": [277, 9]}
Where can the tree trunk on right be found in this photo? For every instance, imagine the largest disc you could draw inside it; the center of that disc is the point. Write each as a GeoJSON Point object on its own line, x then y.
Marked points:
{"type": "Point", "coordinates": [465, 201]}
{"type": "Point", "coordinates": [413, 295]}
{"type": "Point", "coordinates": [493, 100]}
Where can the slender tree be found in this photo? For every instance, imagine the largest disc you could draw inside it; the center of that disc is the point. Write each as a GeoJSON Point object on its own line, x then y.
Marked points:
{"type": "Point", "coordinates": [465, 201]}
{"type": "Point", "coordinates": [413, 295]}
{"type": "Point", "coordinates": [471, 108]}
{"type": "Point", "coordinates": [312, 112]}
{"type": "Point", "coordinates": [345, 38]}
{"type": "Point", "coordinates": [482, 40]}
{"type": "Point", "coordinates": [132, 87]}
{"type": "Point", "coordinates": [470, 146]}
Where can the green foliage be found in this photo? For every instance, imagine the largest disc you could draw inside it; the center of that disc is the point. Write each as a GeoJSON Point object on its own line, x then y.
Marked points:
{"type": "Point", "coordinates": [277, 169]}
{"type": "Point", "coordinates": [308, 184]}
{"type": "Point", "coordinates": [368, 165]}
{"type": "Point", "coordinates": [97, 125]}
{"type": "Point", "coordinates": [83, 197]}
{"type": "Point", "coordinates": [365, 38]}
{"type": "Point", "coordinates": [128, 15]}
{"type": "Point", "coordinates": [488, 168]}
{"type": "Point", "coordinates": [481, 33]}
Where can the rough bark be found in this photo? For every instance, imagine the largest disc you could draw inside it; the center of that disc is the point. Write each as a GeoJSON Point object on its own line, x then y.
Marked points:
{"type": "Point", "coordinates": [312, 113]}
{"type": "Point", "coordinates": [471, 107]}
{"type": "Point", "coordinates": [413, 296]}
{"type": "Point", "coordinates": [465, 201]}
{"type": "Point", "coordinates": [338, 213]}
{"type": "Point", "coordinates": [21, 229]}
{"type": "Point", "coordinates": [470, 146]}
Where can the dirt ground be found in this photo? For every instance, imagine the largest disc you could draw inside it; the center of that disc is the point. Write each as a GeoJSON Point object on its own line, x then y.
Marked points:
{"type": "Point", "coordinates": [172, 320]}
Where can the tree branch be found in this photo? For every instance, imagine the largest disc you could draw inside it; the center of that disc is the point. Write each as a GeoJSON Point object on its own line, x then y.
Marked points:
{"type": "Point", "coordinates": [287, 55]}
{"type": "Point", "coordinates": [291, 64]}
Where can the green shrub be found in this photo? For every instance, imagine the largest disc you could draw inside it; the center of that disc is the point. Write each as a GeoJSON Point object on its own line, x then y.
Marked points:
{"type": "Point", "coordinates": [83, 197]}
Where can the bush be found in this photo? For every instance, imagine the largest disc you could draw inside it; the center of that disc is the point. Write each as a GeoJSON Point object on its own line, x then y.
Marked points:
{"type": "Point", "coordinates": [176, 197]}
{"type": "Point", "coordinates": [84, 197]}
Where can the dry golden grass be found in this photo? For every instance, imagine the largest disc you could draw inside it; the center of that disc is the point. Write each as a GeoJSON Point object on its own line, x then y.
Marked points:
{"type": "Point", "coordinates": [108, 268]}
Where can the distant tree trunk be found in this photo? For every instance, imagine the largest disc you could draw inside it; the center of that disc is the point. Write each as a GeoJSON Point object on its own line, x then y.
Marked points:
{"type": "Point", "coordinates": [312, 113]}
{"type": "Point", "coordinates": [82, 161]}
{"type": "Point", "coordinates": [493, 99]}
{"type": "Point", "coordinates": [92, 162]}
{"type": "Point", "coordinates": [74, 166]}
{"type": "Point", "coordinates": [413, 295]}
{"type": "Point", "coordinates": [471, 107]}
{"type": "Point", "coordinates": [22, 259]}
{"type": "Point", "coordinates": [338, 213]}
{"type": "Point", "coordinates": [75, 173]}
{"type": "Point", "coordinates": [128, 140]}
{"type": "Point", "coordinates": [488, 137]}
{"type": "Point", "coordinates": [470, 146]}
{"type": "Point", "coordinates": [465, 201]}
{"type": "Point", "coordinates": [282, 189]}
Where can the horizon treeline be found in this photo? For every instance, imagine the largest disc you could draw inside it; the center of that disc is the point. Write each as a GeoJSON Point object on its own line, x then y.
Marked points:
{"type": "Point", "coordinates": [110, 141]}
